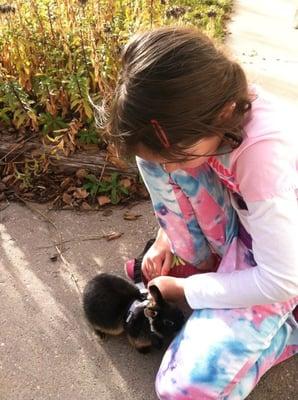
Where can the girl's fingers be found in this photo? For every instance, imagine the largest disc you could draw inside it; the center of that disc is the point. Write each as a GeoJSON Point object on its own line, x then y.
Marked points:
{"type": "Point", "coordinates": [146, 269]}
{"type": "Point", "coordinates": [167, 264]}
{"type": "Point", "coordinates": [152, 269]}
{"type": "Point", "coordinates": [149, 269]}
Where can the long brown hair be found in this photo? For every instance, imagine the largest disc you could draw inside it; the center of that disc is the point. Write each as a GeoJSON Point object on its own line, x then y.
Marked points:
{"type": "Point", "coordinates": [171, 91]}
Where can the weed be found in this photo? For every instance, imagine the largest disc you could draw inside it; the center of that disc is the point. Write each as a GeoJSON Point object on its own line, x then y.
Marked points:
{"type": "Point", "coordinates": [109, 186]}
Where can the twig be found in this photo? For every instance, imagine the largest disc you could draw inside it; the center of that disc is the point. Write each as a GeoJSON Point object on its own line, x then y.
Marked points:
{"type": "Point", "coordinates": [7, 205]}
{"type": "Point", "coordinates": [68, 269]}
{"type": "Point", "coordinates": [71, 240]}
{"type": "Point", "coordinates": [103, 168]}
{"type": "Point", "coordinates": [77, 239]}
{"type": "Point", "coordinates": [17, 146]}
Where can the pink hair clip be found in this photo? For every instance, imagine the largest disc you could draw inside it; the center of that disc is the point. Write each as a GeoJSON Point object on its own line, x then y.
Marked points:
{"type": "Point", "coordinates": [160, 133]}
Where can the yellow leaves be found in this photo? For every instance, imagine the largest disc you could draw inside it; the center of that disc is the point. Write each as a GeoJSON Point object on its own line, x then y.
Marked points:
{"type": "Point", "coordinates": [63, 100]}
{"type": "Point", "coordinates": [20, 118]}
{"type": "Point", "coordinates": [33, 119]}
{"type": "Point", "coordinates": [67, 142]}
{"type": "Point", "coordinates": [51, 105]}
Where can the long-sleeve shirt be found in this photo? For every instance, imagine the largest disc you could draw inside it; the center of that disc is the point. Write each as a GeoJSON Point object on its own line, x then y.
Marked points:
{"type": "Point", "coordinates": [263, 170]}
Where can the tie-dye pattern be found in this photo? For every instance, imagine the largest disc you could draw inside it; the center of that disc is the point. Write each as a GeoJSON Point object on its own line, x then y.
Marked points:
{"type": "Point", "coordinates": [220, 353]}
{"type": "Point", "coordinates": [193, 208]}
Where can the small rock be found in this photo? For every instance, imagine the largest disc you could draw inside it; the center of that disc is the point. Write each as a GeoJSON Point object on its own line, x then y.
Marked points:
{"type": "Point", "coordinates": [54, 257]}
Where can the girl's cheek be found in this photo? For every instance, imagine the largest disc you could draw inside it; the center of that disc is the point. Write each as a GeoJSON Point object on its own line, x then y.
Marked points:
{"type": "Point", "coordinates": [195, 163]}
{"type": "Point", "coordinates": [171, 167]}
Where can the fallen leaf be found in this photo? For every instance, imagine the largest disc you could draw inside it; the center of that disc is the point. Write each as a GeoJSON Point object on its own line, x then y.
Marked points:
{"type": "Point", "coordinates": [67, 198]}
{"type": "Point", "coordinates": [66, 182]}
{"type": "Point", "coordinates": [143, 193]}
{"type": "Point", "coordinates": [113, 235]}
{"type": "Point", "coordinates": [85, 206]}
{"type": "Point", "coordinates": [81, 173]}
{"type": "Point", "coordinates": [7, 178]}
{"type": "Point", "coordinates": [71, 189]}
{"type": "Point", "coordinates": [125, 182]}
{"type": "Point", "coordinates": [114, 159]}
{"type": "Point", "coordinates": [131, 216]}
{"type": "Point", "coordinates": [80, 193]}
{"type": "Point", "coordinates": [102, 200]}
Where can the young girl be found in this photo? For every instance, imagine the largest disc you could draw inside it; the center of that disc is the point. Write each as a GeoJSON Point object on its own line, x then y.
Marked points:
{"type": "Point", "coordinates": [219, 160]}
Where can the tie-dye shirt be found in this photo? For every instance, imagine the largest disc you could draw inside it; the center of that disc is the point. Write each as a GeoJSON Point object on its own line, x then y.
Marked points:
{"type": "Point", "coordinates": [263, 171]}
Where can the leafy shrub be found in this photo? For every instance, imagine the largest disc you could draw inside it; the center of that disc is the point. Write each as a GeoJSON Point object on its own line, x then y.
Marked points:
{"type": "Point", "coordinates": [55, 54]}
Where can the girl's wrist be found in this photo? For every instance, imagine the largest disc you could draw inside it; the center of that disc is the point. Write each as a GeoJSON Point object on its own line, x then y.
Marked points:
{"type": "Point", "coordinates": [171, 288]}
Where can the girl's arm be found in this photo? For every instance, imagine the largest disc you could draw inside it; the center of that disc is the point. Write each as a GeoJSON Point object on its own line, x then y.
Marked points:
{"type": "Point", "coordinates": [267, 176]}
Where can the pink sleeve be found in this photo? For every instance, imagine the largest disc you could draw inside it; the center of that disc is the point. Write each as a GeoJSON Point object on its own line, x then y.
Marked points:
{"type": "Point", "coordinates": [266, 169]}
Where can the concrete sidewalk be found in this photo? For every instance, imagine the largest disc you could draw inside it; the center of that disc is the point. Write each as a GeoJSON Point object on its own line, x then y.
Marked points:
{"type": "Point", "coordinates": [47, 351]}
{"type": "Point", "coordinates": [265, 42]}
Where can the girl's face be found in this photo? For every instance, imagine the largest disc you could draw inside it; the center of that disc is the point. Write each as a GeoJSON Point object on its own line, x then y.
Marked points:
{"type": "Point", "coordinates": [203, 149]}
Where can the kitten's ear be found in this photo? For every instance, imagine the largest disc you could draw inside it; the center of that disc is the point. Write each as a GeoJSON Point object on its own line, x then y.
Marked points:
{"type": "Point", "coordinates": [156, 294]}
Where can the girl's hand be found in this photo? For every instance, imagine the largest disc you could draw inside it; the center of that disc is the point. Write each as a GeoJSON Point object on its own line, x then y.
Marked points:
{"type": "Point", "coordinates": [159, 258]}
{"type": "Point", "coordinates": [172, 289]}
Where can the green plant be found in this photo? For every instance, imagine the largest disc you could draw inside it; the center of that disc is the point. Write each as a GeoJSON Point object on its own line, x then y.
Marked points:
{"type": "Point", "coordinates": [88, 136]}
{"type": "Point", "coordinates": [51, 123]}
{"type": "Point", "coordinates": [110, 187]}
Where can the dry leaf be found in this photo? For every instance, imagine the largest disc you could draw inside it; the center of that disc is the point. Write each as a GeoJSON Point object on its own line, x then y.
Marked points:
{"type": "Point", "coordinates": [113, 235]}
{"type": "Point", "coordinates": [80, 193]}
{"type": "Point", "coordinates": [67, 198]}
{"type": "Point", "coordinates": [112, 157]}
{"type": "Point", "coordinates": [66, 182]}
{"type": "Point", "coordinates": [131, 216]}
{"type": "Point", "coordinates": [102, 200]}
{"type": "Point", "coordinates": [71, 189]}
{"type": "Point", "coordinates": [85, 206]}
{"type": "Point", "coordinates": [125, 182]}
{"type": "Point", "coordinates": [7, 178]}
{"type": "Point", "coordinates": [143, 193]}
{"type": "Point", "coordinates": [81, 173]}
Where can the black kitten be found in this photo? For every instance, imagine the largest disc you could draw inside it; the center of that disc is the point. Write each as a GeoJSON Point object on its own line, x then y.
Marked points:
{"type": "Point", "coordinates": [113, 305]}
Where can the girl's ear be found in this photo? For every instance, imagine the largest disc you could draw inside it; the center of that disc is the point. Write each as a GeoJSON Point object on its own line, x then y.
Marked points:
{"type": "Point", "coordinates": [156, 294]}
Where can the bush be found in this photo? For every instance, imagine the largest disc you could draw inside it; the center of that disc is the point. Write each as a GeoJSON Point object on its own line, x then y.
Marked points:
{"type": "Point", "coordinates": [55, 54]}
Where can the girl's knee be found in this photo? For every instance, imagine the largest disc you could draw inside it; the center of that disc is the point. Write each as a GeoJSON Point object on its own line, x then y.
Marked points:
{"type": "Point", "coordinates": [170, 386]}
